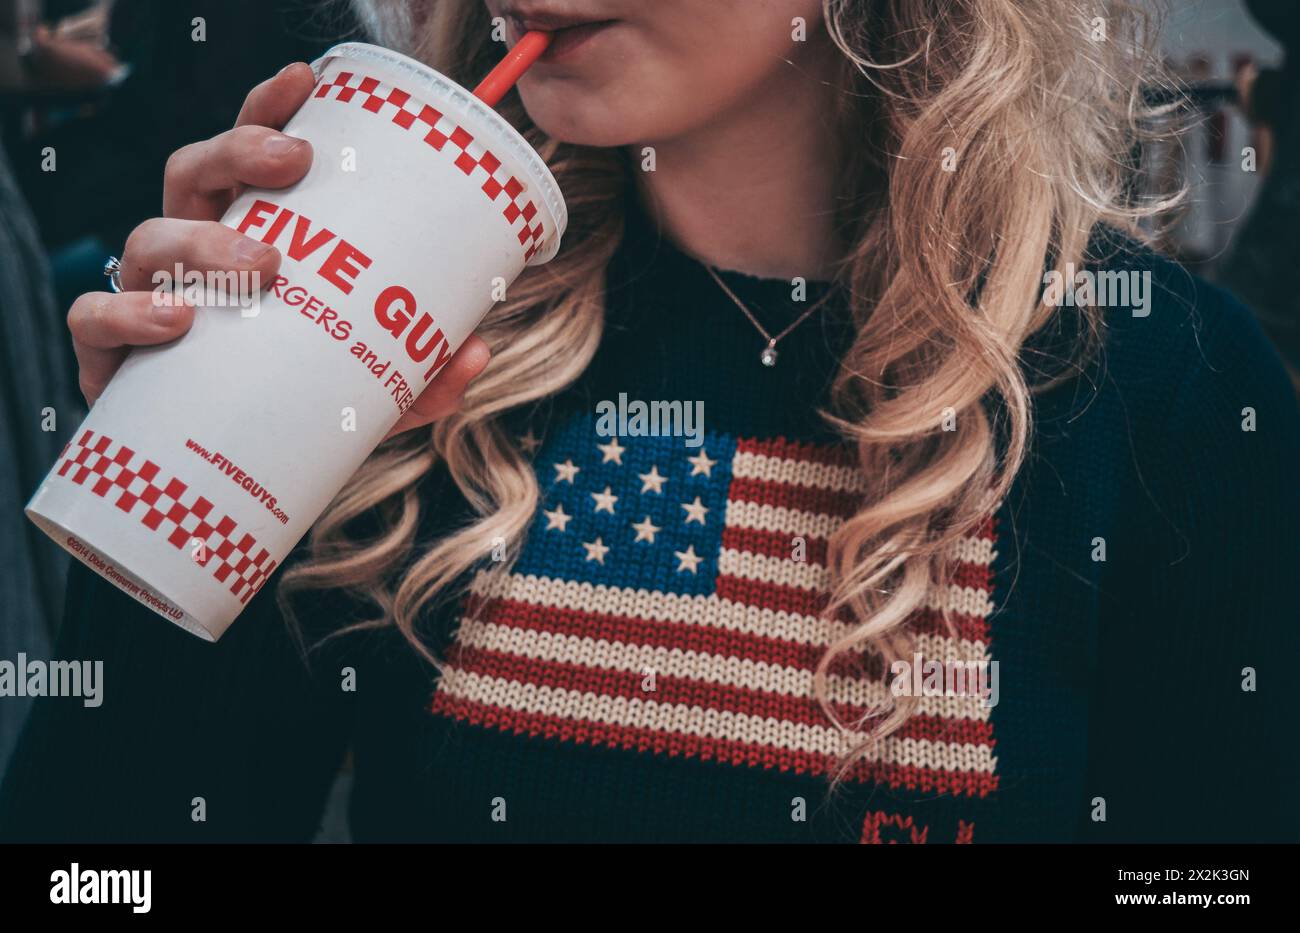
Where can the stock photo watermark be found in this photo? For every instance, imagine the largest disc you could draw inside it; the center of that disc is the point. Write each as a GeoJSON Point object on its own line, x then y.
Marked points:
{"type": "Point", "coordinates": [32, 677]}
{"type": "Point", "coordinates": [933, 678]}
{"type": "Point", "coordinates": [637, 418]}
{"type": "Point", "coordinates": [209, 289]}
{"type": "Point", "coordinates": [78, 885]}
{"type": "Point", "coordinates": [1084, 288]}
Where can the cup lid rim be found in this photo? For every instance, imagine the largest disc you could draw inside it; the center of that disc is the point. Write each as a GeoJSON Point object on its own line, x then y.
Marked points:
{"type": "Point", "coordinates": [552, 198]}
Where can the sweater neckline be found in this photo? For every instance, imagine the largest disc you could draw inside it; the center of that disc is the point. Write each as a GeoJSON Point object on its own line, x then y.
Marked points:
{"type": "Point", "coordinates": [649, 251]}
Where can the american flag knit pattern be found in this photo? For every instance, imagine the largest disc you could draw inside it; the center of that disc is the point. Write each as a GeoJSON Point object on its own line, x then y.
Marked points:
{"type": "Point", "coordinates": [658, 606]}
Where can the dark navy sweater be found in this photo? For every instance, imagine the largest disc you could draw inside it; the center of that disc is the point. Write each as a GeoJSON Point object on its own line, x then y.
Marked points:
{"type": "Point", "coordinates": [644, 671]}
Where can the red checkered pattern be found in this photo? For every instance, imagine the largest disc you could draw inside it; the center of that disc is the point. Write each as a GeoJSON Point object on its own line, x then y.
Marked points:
{"type": "Point", "coordinates": [439, 130]}
{"type": "Point", "coordinates": [164, 504]}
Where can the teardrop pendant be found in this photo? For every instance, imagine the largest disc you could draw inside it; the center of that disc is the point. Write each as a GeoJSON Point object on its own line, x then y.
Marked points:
{"type": "Point", "coordinates": [769, 355]}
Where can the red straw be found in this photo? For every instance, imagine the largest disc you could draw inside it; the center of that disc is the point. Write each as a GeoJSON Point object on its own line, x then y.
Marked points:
{"type": "Point", "coordinates": [518, 60]}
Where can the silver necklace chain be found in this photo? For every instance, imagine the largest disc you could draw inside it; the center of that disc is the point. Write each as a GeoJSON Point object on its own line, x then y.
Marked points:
{"type": "Point", "coordinates": [769, 356]}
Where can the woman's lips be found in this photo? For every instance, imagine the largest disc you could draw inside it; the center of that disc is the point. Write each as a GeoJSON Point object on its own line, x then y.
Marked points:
{"type": "Point", "coordinates": [567, 41]}
{"type": "Point", "coordinates": [567, 35]}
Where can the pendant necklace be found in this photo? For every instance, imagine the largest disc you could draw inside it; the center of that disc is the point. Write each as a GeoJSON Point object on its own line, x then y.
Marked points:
{"type": "Point", "coordinates": [769, 356]}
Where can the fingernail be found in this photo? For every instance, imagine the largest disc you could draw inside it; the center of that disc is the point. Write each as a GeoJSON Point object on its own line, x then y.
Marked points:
{"type": "Point", "coordinates": [166, 314]}
{"type": "Point", "coordinates": [248, 252]}
{"type": "Point", "coordinates": [280, 145]}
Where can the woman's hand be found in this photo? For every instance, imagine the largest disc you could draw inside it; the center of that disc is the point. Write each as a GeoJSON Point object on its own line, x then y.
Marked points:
{"type": "Point", "coordinates": [201, 182]}
{"type": "Point", "coordinates": [70, 64]}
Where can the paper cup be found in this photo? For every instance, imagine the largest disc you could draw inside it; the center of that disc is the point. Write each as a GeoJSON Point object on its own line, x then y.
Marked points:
{"type": "Point", "coordinates": [205, 461]}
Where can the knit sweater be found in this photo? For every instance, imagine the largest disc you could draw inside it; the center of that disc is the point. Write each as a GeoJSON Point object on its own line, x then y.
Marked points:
{"type": "Point", "coordinates": [644, 670]}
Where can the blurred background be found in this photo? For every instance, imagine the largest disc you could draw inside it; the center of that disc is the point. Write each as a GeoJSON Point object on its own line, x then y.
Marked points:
{"type": "Point", "coordinates": [96, 94]}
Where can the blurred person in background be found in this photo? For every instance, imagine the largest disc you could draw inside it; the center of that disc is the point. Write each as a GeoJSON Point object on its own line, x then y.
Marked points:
{"type": "Point", "coordinates": [186, 67]}
{"type": "Point", "coordinates": [39, 402]}
{"type": "Point", "coordinates": [1267, 246]}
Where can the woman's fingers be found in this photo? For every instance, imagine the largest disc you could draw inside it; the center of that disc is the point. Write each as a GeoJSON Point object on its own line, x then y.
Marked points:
{"type": "Point", "coordinates": [200, 182]}
{"type": "Point", "coordinates": [104, 327]}
{"type": "Point", "coordinates": [161, 244]}
{"type": "Point", "coordinates": [277, 99]}
{"type": "Point", "coordinates": [445, 393]}
{"type": "Point", "coordinates": [203, 178]}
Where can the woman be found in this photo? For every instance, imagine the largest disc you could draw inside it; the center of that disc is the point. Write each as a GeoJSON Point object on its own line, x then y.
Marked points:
{"type": "Point", "coordinates": [837, 227]}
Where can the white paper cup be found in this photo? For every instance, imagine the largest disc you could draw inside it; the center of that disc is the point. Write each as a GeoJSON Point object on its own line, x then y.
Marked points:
{"type": "Point", "coordinates": [205, 461]}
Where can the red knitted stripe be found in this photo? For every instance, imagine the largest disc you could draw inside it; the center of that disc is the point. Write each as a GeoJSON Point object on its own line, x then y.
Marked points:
{"type": "Point", "coordinates": [774, 596]}
{"type": "Point", "coordinates": [972, 575]}
{"type": "Point", "coordinates": [802, 498]}
{"type": "Point", "coordinates": [832, 455]}
{"type": "Point", "coordinates": [780, 544]}
{"type": "Point", "coordinates": [740, 754]}
{"type": "Point", "coordinates": [681, 691]}
{"type": "Point", "coordinates": [773, 544]}
{"type": "Point", "coordinates": [629, 630]}
{"type": "Point", "coordinates": [781, 598]}
{"type": "Point", "coordinates": [931, 622]}
{"type": "Point", "coordinates": [662, 634]}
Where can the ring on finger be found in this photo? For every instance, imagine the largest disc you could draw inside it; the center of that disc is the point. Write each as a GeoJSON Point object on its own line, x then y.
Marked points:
{"type": "Point", "coordinates": [113, 269]}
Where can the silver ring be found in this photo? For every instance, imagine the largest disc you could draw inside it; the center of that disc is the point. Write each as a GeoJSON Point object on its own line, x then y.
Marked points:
{"type": "Point", "coordinates": [113, 269]}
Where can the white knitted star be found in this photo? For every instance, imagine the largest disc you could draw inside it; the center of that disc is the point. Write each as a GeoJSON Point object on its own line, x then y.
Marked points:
{"type": "Point", "coordinates": [605, 501]}
{"type": "Point", "coordinates": [646, 530]}
{"type": "Point", "coordinates": [701, 463]}
{"type": "Point", "coordinates": [652, 481]}
{"type": "Point", "coordinates": [556, 519]}
{"type": "Point", "coordinates": [695, 511]}
{"type": "Point", "coordinates": [566, 471]}
{"type": "Point", "coordinates": [612, 451]}
{"type": "Point", "coordinates": [689, 560]}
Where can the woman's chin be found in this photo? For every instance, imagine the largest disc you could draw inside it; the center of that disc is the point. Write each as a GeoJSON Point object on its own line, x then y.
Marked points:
{"type": "Point", "coordinates": [577, 119]}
